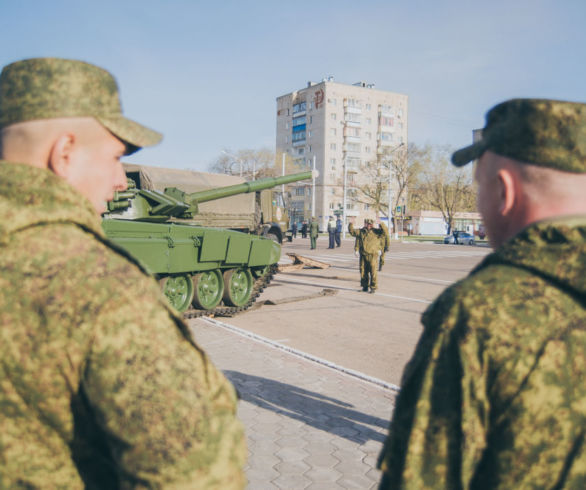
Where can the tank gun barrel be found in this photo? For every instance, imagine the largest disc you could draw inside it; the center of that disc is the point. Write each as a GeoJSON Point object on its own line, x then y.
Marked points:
{"type": "Point", "coordinates": [246, 187]}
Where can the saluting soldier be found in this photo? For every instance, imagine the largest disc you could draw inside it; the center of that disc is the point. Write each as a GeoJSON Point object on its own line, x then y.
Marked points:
{"type": "Point", "coordinates": [102, 384]}
{"type": "Point", "coordinates": [368, 245]}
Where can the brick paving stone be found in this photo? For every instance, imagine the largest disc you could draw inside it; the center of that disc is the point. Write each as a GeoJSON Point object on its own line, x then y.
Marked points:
{"type": "Point", "coordinates": [290, 482]}
{"type": "Point", "coordinates": [308, 426]}
{"type": "Point", "coordinates": [323, 475]}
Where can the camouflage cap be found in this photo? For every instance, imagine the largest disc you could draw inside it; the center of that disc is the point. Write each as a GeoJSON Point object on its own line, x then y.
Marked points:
{"type": "Point", "coordinates": [548, 133]}
{"type": "Point", "coordinates": [369, 221]}
{"type": "Point", "coordinates": [48, 88]}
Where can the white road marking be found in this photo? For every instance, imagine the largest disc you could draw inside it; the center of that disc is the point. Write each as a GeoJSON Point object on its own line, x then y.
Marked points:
{"type": "Point", "coordinates": [304, 355]}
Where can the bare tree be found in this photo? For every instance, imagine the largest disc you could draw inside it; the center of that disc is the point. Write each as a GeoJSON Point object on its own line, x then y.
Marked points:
{"type": "Point", "coordinates": [253, 163]}
{"type": "Point", "coordinates": [442, 186]}
{"type": "Point", "coordinates": [398, 166]}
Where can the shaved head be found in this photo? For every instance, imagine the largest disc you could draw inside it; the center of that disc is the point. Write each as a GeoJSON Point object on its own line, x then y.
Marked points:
{"type": "Point", "coordinates": [513, 194]}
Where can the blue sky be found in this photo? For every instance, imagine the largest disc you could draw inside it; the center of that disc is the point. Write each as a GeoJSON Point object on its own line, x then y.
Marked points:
{"type": "Point", "coordinates": [206, 74]}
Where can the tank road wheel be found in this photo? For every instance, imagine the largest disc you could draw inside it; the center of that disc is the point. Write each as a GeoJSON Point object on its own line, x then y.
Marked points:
{"type": "Point", "coordinates": [179, 291]}
{"type": "Point", "coordinates": [237, 287]}
{"type": "Point", "coordinates": [209, 288]}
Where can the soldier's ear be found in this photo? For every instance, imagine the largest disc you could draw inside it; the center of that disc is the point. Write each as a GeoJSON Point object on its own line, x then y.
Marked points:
{"type": "Point", "coordinates": [61, 154]}
{"type": "Point", "coordinates": [507, 191]}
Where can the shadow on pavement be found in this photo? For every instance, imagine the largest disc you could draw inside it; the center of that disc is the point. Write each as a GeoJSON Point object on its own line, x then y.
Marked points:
{"type": "Point", "coordinates": [319, 411]}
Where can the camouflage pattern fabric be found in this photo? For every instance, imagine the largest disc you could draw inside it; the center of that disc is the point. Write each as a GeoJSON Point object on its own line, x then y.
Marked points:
{"type": "Point", "coordinates": [495, 394]}
{"type": "Point", "coordinates": [385, 242]}
{"type": "Point", "coordinates": [544, 132]}
{"type": "Point", "coordinates": [102, 384]}
{"type": "Point", "coordinates": [368, 244]}
{"type": "Point", "coordinates": [46, 88]}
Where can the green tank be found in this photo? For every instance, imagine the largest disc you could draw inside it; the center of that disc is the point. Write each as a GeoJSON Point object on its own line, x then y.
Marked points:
{"type": "Point", "coordinates": [201, 269]}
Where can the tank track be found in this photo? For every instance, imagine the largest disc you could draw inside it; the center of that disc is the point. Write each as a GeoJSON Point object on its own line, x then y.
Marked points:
{"type": "Point", "coordinates": [222, 310]}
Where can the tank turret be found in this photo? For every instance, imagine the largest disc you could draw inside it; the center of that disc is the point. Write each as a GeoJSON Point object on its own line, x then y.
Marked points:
{"type": "Point", "coordinates": [201, 270]}
{"type": "Point", "coordinates": [155, 206]}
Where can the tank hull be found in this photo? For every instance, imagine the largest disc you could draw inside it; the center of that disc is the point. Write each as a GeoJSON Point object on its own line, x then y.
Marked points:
{"type": "Point", "coordinates": [188, 253]}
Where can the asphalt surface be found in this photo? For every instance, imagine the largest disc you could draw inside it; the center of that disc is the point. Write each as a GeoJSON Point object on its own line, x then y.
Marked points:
{"type": "Point", "coordinates": [318, 375]}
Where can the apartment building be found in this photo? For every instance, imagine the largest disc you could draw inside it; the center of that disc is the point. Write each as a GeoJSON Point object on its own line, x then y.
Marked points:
{"type": "Point", "coordinates": [334, 124]}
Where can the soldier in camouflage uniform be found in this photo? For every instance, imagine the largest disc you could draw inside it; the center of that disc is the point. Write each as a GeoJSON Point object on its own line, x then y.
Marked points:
{"type": "Point", "coordinates": [102, 384]}
{"type": "Point", "coordinates": [385, 241]}
{"type": "Point", "coordinates": [494, 396]}
{"type": "Point", "coordinates": [368, 245]}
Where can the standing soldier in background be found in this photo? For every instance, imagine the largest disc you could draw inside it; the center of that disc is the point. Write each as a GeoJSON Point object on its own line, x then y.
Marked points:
{"type": "Point", "coordinates": [385, 241]}
{"type": "Point", "coordinates": [102, 384]}
{"type": "Point", "coordinates": [304, 229]}
{"type": "Point", "coordinates": [494, 396]}
{"type": "Point", "coordinates": [368, 241]}
{"type": "Point", "coordinates": [338, 232]}
{"type": "Point", "coordinates": [313, 232]}
{"type": "Point", "coordinates": [332, 232]}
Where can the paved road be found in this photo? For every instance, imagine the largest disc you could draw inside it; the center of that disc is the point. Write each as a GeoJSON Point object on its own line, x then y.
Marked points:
{"type": "Point", "coordinates": [374, 334]}
{"type": "Point", "coordinates": [310, 424]}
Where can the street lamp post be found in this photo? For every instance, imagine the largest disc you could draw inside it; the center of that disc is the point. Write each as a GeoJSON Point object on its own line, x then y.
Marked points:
{"type": "Point", "coordinates": [391, 188]}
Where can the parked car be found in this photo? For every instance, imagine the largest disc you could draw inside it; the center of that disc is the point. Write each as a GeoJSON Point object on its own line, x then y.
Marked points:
{"type": "Point", "coordinates": [463, 238]}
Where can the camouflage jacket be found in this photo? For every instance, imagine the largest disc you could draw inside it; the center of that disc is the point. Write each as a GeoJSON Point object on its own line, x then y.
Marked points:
{"type": "Point", "coordinates": [367, 241]}
{"type": "Point", "coordinates": [495, 394]}
{"type": "Point", "coordinates": [102, 385]}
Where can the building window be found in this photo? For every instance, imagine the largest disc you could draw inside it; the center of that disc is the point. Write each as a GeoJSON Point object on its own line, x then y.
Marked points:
{"type": "Point", "coordinates": [300, 191]}
{"type": "Point", "coordinates": [310, 119]}
{"type": "Point", "coordinates": [299, 107]}
{"type": "Point", "coordinates": [353, 132]}
{"type": "Point", "coordinates": [386, 136]}
{"type": "Point", "coordinates": [386, 121]}
{"type": "Point", "coordinates": [287, 125]}
{"type": "Point", "coordinates": [298, 121]}
{"type": "Point", "coordinates": [332, 131]}
{"type": "Point", "coordinates": [368, 120]}
{"type": "Point", "coordinates": [386, 108]}
{"type": "Point", "coordinates": [367, 149]}
{"type": "Point", "coordinates": [368, 107]}
{"type": "Point", "coordinates": [298, 136]}
{"type": "Point", "coordinates": [286, 139]}
{"type": "Point", "coordinates": [366, 207]}
{"type": "Point", "coordinates": [333, 162]}
{"type": "Point", "coordinates": [300, 151]}
{"type": "Point", "coordinates": [310, 105]}
{"type": "Point", "coordinates": [333, 177]}
{"type": "Point", "coordinates": [332, 205]}
{"type": "Point", "coordinates": [309, 148]}
{"type": "Point", "coordinates": [368, 135]}
{"type": "Point", "coordinates": [309, 134]}
{"type": "Point", "coordinates": [332, 101]}
{"type": "Point", "coordinates": [353, 147]}
{"type": "Point", "coordinates": [352, 117]}
{"type": "Point", "coordinates": [333, 116]}
{"type": "Point", "coordinates": [332, 146]}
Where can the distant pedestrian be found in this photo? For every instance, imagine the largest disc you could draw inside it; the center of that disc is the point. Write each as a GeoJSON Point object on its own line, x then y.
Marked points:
{"type": "Point", "coordinates": [332, 232]}
{"type": "Point", "coordinates": [313, 232]}
{"type": "Point", "coordinates": [338, 235]}
{"type": "Point", "coordinates": [294, 230]}
{"type": "Point", "coordinates": [304, 230]}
